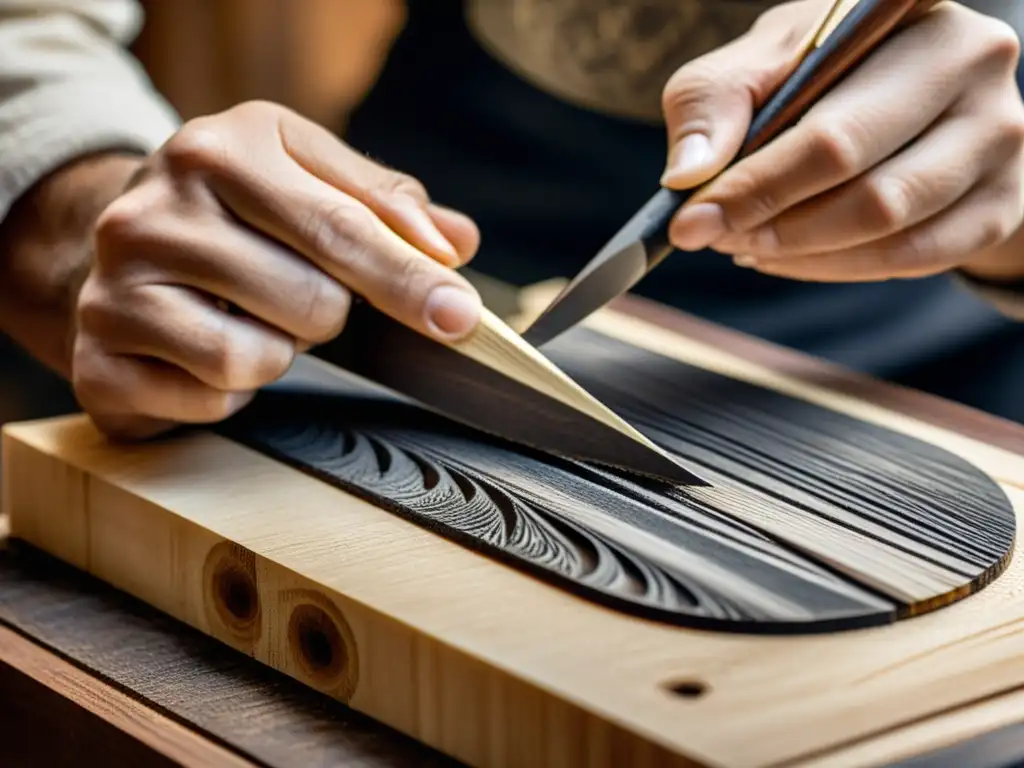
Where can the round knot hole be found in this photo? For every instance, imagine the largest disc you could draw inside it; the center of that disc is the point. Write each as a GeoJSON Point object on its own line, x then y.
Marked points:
{"type": "Point", "coordinates": [234, 594]}
{"type": "Point", "coordinates": [317, 643]}
{"type": "Point", "coordinates": [237, 592]}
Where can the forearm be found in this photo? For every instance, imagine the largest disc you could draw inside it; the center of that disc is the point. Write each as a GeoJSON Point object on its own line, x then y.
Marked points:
{"type": "Point", "coordinates": [45, 253]}
{"type": "Point", "coordinates": [73, 105]}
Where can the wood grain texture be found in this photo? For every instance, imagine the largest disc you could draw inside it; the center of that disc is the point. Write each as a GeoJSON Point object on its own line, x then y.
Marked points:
{"type": "Point", "coordinates": [814, 521]}
{"type": "Point", "coordinates": [52, 713]}
{"type": "Point", "coordinates": [138, 654]}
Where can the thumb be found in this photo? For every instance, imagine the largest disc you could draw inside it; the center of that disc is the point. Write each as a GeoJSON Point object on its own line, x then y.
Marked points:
{"type": "Point", "coordinates": [709, 103]}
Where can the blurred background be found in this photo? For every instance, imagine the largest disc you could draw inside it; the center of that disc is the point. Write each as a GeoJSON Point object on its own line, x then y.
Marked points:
{"type": "Point", "coordinates": [316, 56]}
{"type": "Point", "coordinates": [319, 57]}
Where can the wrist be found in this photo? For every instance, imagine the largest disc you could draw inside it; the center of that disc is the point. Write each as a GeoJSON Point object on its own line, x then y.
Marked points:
{"type": "Point", "coordinates": [46, 252]}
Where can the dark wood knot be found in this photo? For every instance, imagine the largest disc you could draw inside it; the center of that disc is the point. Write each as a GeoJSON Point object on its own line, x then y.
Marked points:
{"type": "Point", "coordinates": [322, 644]}
{"type": "Point", "coordinates": [232, 592]}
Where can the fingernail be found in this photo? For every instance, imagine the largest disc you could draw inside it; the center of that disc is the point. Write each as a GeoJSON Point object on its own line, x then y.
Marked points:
{"type": "Point", "coordinates": [419, 220]}
{"type": "Point", "coordinates": [452, 312]}
{"type": "Point", "coordinates": [744, 261]}
{"type": "Point", "coordinates": [697, 227]}
{"type": "Point", "coordinates": [686, 159]}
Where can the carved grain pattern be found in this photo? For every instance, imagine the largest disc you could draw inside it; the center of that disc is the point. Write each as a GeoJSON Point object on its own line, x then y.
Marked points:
{"type": "Point", "coordinates": [902, 500]}
{"type": "Point", "coordinates": [814, 520]}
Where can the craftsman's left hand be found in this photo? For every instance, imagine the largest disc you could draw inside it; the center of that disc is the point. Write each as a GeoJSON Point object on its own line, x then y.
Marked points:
{"type": "Point", "coordinates": [911, 166]}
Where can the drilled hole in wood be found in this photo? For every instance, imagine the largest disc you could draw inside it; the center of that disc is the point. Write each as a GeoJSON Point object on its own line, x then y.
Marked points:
{"type": "Point", "coordinates": [316, 642]}
{"type": "Point", "coordinates": [687, 689]}
{"type": "Point", "coordinates": [237, 599]}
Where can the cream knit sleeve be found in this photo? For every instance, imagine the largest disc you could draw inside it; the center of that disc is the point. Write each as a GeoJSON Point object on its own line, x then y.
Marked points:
{"type": "Point", "coordinates": [69, 87]}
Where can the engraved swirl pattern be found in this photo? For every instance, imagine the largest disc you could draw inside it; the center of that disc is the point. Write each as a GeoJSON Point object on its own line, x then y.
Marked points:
{"type": "Point", "coordinates": [815, 520]}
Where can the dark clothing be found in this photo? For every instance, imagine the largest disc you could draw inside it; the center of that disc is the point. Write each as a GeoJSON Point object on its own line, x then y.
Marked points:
{"type": "Point", "coordinates": [549, 183]}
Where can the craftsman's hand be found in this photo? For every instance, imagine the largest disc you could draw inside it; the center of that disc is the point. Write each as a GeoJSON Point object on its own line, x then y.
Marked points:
{"type": "Point", "coordinates": [913, 165]}
{"type": "Point", "coordinates": [235, 247]}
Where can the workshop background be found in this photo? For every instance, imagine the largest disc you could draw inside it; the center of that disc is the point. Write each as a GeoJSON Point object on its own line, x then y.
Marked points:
{"type": "Point", "coordinates": [318, 57]}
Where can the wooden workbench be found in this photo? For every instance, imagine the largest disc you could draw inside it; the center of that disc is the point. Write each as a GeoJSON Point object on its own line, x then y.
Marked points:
{"type": "Point", "coordinates": [84, 667]}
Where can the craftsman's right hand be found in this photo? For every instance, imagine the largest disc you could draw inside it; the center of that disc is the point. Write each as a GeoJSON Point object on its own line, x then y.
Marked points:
{"type": "Point", "coordinates": [239, 244]}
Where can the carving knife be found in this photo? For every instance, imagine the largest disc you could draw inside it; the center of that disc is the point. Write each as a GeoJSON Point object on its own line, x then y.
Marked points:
{"type": "Point", "coordinates": [849, 32]}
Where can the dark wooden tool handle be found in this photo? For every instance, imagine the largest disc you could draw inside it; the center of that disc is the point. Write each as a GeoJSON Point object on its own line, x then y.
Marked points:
{"type": "Point", "coordinates": [864, 28]}
{"type": "Point", "coordinates": [857, 35]}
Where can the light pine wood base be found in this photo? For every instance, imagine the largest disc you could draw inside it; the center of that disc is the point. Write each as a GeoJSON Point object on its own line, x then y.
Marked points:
{"type": "Point", "coordinates": [475, 658]}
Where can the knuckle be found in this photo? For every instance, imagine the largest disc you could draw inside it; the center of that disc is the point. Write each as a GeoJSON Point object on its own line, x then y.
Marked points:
{"type": "Point", "coordinates": [920, 250]}
{"type": "Point", "coordinates": [232, 363]}
{"type": "Point", "coordinates": [835, 148]}
{"type": "Point", "coordinates": [760, 199]}
{"type": "Point", "coordinates": [412, 283]}
{"type": "Point", "coordinates": [1001, 46]}
{"type": "Point", "coordinates": [255, 109]}
{"type": "Point", "coordinates": [326, 309]}
{"type": "Point", "coordinates": [687, 89]}
{"type": "Point", "coordinates": [888, 202]}
{"type": "Point", "coordinates": [275, 361]}
{"type": "Point", "coordinates": [1011, 131]}
{"type": "Point", "coordinates": [123, 225]}
{"type": "Point", "coordinates": [398, 183]}
{"type": "Point", "coordinates": [89, 379]}
{"type": "Point", "coordinates": [340, 232]}
{"type": "Point", "coordinates": [994, 231]}
{"type": "Point", "coordinates": [239, 361]}
{"type": "Point", "coordinates": [197, 147]}
{"type": "Point", "coordinates": [94, 311]}
{"type": "Point", "coordinates": [775, 29]}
